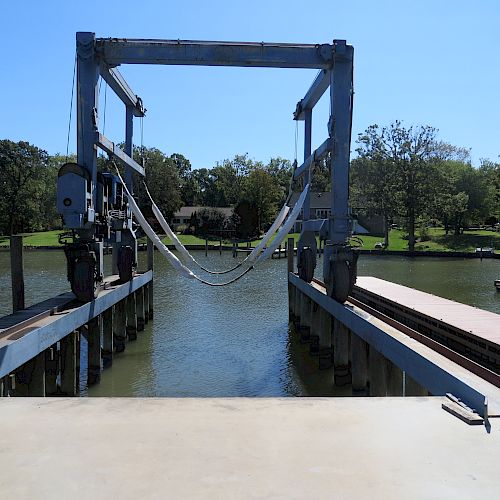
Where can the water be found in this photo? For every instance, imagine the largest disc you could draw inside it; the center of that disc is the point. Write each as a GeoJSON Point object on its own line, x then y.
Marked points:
{"type": "Point", "coordinates": [233, 341]}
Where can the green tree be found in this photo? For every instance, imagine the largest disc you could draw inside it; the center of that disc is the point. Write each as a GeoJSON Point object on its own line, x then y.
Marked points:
{"type": "Point", "coordinates": [22, 183]}
{"type": "Point", "coordinates": [408, 159]}
{"type": "Point", "coordinates": [163, 181]}
{"type": "Point", "coordinates": [263, 191]}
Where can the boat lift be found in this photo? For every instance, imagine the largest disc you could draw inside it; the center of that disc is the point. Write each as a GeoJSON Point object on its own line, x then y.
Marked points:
{"type": "Point", "coordinates": [94, 205]}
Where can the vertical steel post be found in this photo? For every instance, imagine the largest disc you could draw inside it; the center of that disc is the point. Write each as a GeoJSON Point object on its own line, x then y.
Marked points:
{"type": "Point", "coordinates": [87, 92]}
{"type": "Point", "coordinates": [340, 132]}
{"type": "Point", "coordinates": [307, 153]}
{"type": "Point", "coordinates": [129, 132]}
{"type": "Point", "coordinates": [17, 272]}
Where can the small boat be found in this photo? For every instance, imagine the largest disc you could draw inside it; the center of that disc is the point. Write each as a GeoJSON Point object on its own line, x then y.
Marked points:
{"type": "Point", "coordinates": [497, 285]}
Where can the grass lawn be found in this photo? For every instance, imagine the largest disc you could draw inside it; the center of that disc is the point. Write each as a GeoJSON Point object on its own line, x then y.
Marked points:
{"type": "Point", "coordinates": [439, 241]}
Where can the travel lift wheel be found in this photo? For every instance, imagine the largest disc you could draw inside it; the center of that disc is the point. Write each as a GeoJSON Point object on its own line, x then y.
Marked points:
{"type": "Point", "coordinates": [342, 273]}
{"type": "Point", "coordinates": [82, 271]}
{"type": "Point", "coordinates": [306, 256]}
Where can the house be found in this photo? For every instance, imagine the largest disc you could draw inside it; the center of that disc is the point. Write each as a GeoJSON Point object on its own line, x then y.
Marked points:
{"type": "Point", "coordinates": [184, 214]}
{"type": "Point", "coordinates": [320, 208]}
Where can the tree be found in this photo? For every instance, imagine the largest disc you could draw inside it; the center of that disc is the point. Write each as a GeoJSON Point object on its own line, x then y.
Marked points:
{"type": "Point", "coordinates": [406, 161]}
{"type": "Point", "coordinates": [22, 174]}
{"type": "Point", "coordinates": [163, 181]}
{"type": "Point", "coordinates": [262, 190]}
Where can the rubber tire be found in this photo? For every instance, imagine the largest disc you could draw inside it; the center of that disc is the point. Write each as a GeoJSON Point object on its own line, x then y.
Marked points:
{"type": "Point", "coordinates": [341, 282]}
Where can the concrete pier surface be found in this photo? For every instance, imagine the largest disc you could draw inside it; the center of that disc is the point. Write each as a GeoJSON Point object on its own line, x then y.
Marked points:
{"type": "Point", "coordinates": [295, 448]}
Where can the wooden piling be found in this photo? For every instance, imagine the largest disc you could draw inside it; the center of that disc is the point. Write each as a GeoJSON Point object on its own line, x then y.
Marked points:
{"type": "Point", "coordinates": [291, 289]}
{"type": "Point", "coordinates": [17, 272]}
{"type": "Point", "coordinates": [413, 388]}
{"type": "Point", "coordinates": [107, 338]}
{"type": "Point", "coordinates": [94, 351]}
{"type": "Point", "coordinates": [70, 364]}
{"type": "Point", "coordinates": [206, 247]}
{"type": "Point", "coordinates": [30, 378]}
{"type": "Point", "coordinates": [149, 301]}
{"type": "Point", "coordinates": [377, 368]}
{"type": "Point", "coordinates": [315, 328]}
{"type": "Point", "coordinates": [342, 372]}
{"type": "Point", "coordinates": [359, 365]}
{"type": "Point", "coordinates": [305, 318]}
{"type": "Point", "coordinates": [146, 303]}
{"type": "Point", "coordinates": [131, 317]}
{"type": "Point", "coordinates": [151, 255]}
{"type": "Point", "coordinates": [139, 304]}
{"type": "Point", "coordinates": [325, 351]}
{"type": "Point", "coordinates": [119, 326]}
{"type": "Point", "coordinates": [51, 370]}
{"type": "Point", "coordinates": [394, 379]}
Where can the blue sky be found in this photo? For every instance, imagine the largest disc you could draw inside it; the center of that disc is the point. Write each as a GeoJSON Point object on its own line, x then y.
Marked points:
{"type": "Point", "coordinates": [425, 62]}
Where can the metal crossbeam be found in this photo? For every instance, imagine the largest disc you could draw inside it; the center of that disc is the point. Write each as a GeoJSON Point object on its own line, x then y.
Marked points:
{"type": "Point", "coordinates": [121, 88]}
{"type": "Point", "coordinates": [314, 94]}
{"type": "Point", "coordinates": [112, 149]}
{"type": "Point", "coordinates": [200, 53]}
{"type": "Point", "coordinates": [315, 156]}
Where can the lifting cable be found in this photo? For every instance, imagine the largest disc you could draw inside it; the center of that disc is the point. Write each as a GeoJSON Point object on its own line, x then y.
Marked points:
{"type": "Point", "coordinates": [177, 264]}
{"type": "Point", "coordinates": [189, 258]}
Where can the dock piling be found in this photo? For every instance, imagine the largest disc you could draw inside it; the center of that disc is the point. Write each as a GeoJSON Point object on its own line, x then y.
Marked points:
{"type": "Point", "coordinates": [51, 370]}
{"type": "Point", "coordinates": [107, 338]}
{"type": "Point", "coordinates": [70, 364]}
{"type": "Point", "coordinates": [131, 317]}
{"type": "Point", "coordinates": [325, 340]}
{"type": "Point", "coordinates": [94, 351]}
{"type": "Point", "coordinates": [359, 365]}
{"type": "Point", "coordinates": [17, 272]}
{"type": "Point", "coordinates": [139, 301]}
{"type": "Point", "coordinates": [119, 326]}
{"type": "Point", "coordinates": [342, 372]}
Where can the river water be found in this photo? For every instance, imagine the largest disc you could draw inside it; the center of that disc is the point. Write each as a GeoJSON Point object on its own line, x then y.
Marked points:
{"type": "Point", "coordinates": [233, 341]}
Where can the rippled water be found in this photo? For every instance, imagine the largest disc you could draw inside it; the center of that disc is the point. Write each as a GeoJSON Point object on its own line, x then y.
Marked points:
{"type": "Point", "coordinates": [233, 341]}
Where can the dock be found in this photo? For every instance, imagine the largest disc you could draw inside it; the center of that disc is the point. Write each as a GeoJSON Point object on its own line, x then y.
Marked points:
{"type": "Point", "coordinates": [40, 345]}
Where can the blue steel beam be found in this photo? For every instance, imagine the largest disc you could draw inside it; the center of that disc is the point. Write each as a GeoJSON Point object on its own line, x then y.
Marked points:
{"type": "Point", "coordinates": [317, 89]}
{"type": "Point", "coordinates": [433, 371]}
{"type": "Point", "coordinates": [129, 132]}
{"type": "Point", "coordinates": [121, 88]}
{"type": "Point", "coordinates": [316, 156]}
{"type": "Point", "coordinates": [112, 149]}
{"type": "Point", "coordinates": [340, 131]}
{"type": "Point", "coordinates": [116, 51]}
{"type": "Point", "coordinates": [87, 91]}
{"type": "Point", "coordinates": [307, 154]}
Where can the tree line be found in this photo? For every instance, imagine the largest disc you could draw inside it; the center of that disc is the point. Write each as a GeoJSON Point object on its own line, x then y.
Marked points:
{"type": "Point", "coordinates": [404, 174]}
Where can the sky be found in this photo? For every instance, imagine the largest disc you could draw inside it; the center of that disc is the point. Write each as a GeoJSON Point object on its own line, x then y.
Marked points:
{"type": "Point", "coordinates": [423, 62]}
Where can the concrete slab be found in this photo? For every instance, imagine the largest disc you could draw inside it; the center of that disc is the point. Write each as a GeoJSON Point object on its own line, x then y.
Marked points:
{"type": "Point", "coordinates": [243, 448]}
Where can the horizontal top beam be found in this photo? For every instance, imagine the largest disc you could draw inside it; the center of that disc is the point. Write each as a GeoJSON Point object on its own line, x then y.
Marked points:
{"type": "Point", "coordinates": [115, 51]}
{"type": "Point", "coordinates": [121, 88]}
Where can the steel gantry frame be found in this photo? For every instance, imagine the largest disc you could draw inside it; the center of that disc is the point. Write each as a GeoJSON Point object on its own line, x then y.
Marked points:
{"type": "Point", "coordinates": [89, 203]}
